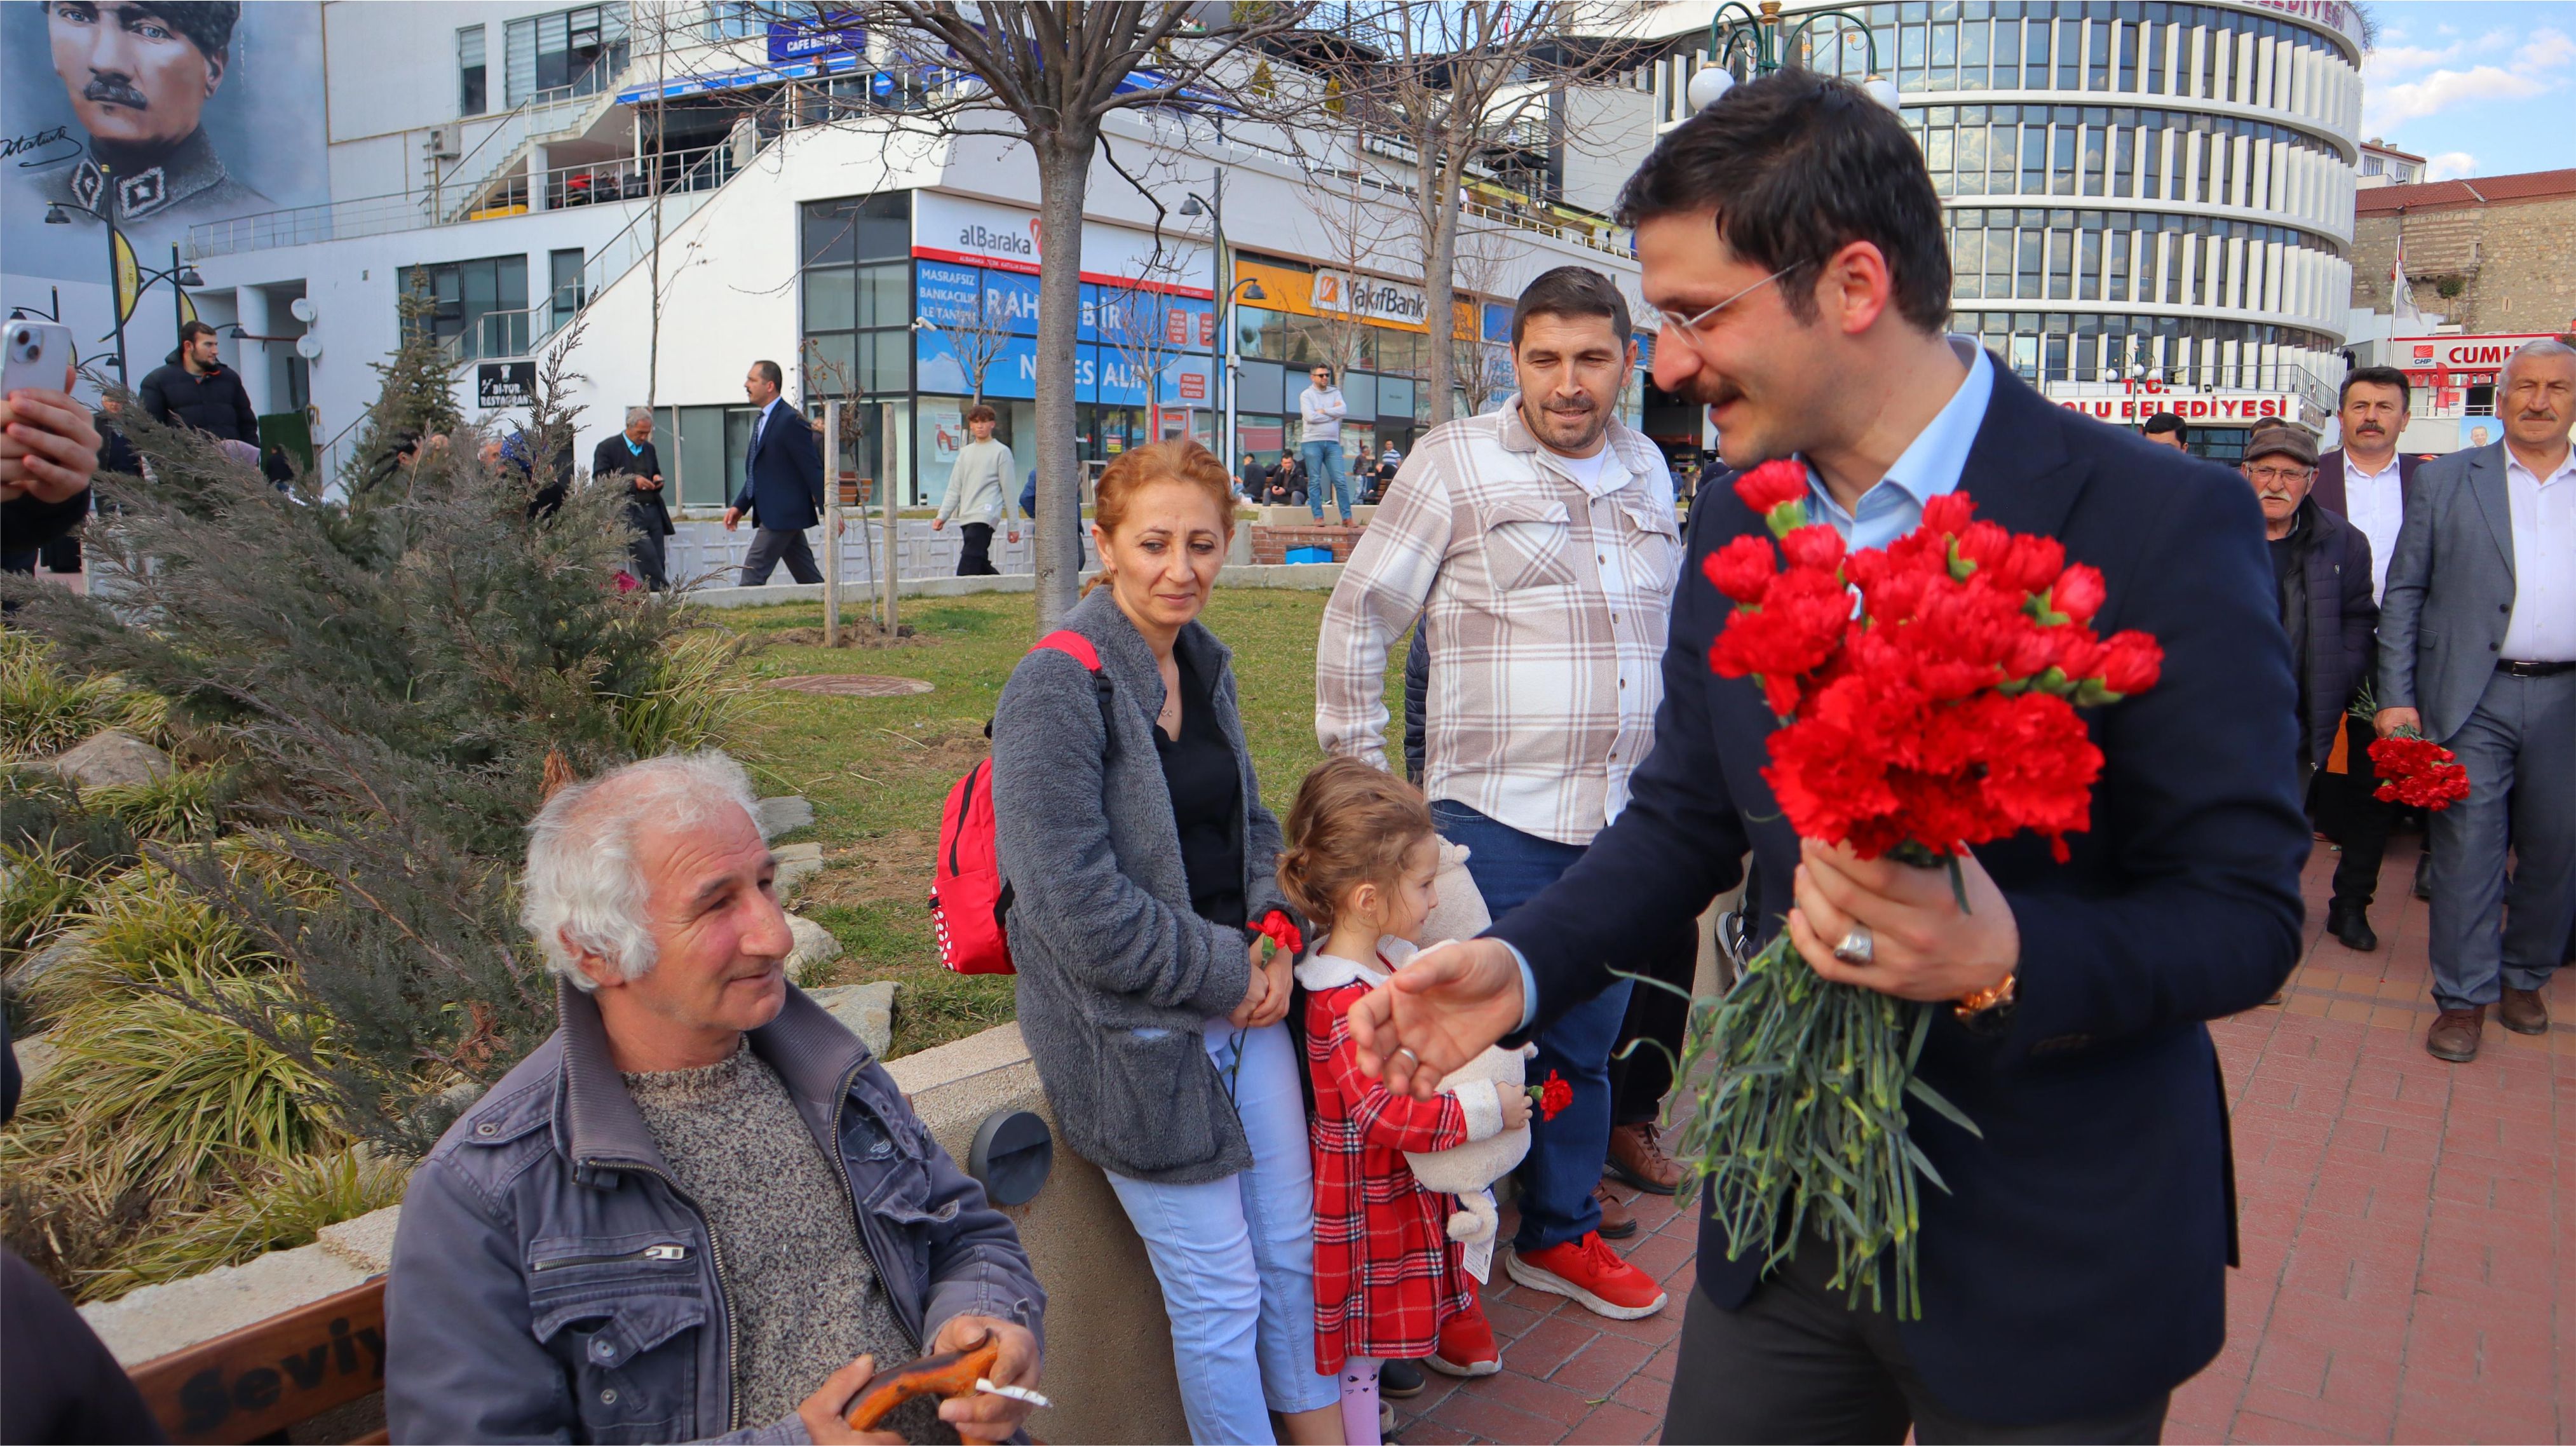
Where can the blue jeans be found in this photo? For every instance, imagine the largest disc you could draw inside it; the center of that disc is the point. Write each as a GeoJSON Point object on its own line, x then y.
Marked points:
{"type": "Point", "coordinates": [1510, 868]}
{"type": "Point", "coordinates": [2488, 930]}
{"type": "Point", "coordinates": [1236, 1257]}
{"type": "Point", "coordinates": [1325, 478]}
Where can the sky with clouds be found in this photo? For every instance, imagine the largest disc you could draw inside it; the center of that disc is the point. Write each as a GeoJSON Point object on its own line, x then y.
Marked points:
{"type": "Point", "coordinates": [2477, 87]}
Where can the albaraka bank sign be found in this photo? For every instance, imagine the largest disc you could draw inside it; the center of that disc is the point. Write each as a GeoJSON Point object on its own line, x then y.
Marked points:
{"type": "Point", "coordinates": [2132, 402]}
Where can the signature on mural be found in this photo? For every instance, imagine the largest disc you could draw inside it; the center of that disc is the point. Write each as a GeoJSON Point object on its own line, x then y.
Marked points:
{"type": "Point", "coordinates": [35, 146]}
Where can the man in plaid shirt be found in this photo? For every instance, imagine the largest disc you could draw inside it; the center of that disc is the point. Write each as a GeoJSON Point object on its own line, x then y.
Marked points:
{"type": "Point", "coordinates": [1537, 544]}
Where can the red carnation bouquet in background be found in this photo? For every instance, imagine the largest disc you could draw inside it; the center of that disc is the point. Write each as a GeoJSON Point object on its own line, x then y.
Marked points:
{"type": "Point", "coordinates": [1927, 694]}
{"type": "Point", "coordinates": [2418, 772]}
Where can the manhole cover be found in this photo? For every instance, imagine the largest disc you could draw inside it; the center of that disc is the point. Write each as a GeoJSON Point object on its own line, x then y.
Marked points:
{"type": "Point", "coordinates": [853, 685]}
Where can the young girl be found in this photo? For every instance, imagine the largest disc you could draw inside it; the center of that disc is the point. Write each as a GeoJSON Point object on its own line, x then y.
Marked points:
{"type": "Point", "coordinates": [1389, 1283]}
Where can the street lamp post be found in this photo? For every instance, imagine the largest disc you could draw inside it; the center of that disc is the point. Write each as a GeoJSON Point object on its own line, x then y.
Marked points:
{"type": "Point", "coordinates": [179, 275]}
{"type": "Point", "coordinates": [1739, 37]}
{"type": "Point", "coordinates": [1193, 205]}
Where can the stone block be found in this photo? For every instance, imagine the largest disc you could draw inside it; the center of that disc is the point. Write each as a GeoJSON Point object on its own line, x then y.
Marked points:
{"type": "Point", "coordinates": [366, 1242]}
{"type": "Point", "coordinates": [159, 1319]}
{"type": "Point", "coordinates": [815, 947]}
{"type": "Point", "coordinates": [111, 756]}
{"type": "Point", "coordinates": [797, 863]}
{"type": "Point", "coordinates": [867, 1010]}
{"type": "Point", "coordinates": [785, 815]}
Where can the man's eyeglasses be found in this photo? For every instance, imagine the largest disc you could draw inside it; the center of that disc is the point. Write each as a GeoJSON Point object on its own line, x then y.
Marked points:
{"type": "Point", "coordinates": [1675, 321]}
{"type": "Point", "coordinates": [2277, 474]}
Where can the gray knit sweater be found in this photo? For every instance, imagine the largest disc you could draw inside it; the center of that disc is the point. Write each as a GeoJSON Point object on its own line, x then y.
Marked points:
{"type": "Point", "coordinates": [804, 1298]}
{"type": "Point", "coordinates": [1116, 972]}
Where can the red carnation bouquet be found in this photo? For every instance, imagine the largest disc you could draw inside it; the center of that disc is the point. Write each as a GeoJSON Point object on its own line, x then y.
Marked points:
{"type": "Point", "coordinates": [2418, 772]}
{"type": "Point", "coordinates": [1927, 694]}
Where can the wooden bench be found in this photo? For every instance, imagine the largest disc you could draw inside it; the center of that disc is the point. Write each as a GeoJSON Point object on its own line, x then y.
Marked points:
{"type": "Point", "coordinates": [255, 1382]}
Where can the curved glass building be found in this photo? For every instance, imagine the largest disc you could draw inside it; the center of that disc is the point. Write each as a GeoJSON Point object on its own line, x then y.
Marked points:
{"type": "Point", "coordinates": [2144, 200]}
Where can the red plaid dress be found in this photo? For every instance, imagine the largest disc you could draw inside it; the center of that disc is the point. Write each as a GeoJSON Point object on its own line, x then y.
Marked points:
{"type": "Point", "coordinates": [1387, 1276]}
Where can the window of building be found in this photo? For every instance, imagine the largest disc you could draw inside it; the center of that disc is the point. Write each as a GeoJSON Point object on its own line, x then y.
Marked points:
{"type": "Point", "coordinates": [568, 52]}
{"type": "Point", "coordinates": [564, 285]}
{"type": "Point", "coordinates": [484, 302]}
{"type": "Point", "coordinates": [737, 20]}
{"type": "Point", "coordinates": [470, 94]}
{"type": "Point", "coordinates": [856, 301]}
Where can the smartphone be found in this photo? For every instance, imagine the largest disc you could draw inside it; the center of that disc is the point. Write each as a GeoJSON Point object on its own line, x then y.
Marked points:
{"type": "Point", "coordinates": [34, 354]}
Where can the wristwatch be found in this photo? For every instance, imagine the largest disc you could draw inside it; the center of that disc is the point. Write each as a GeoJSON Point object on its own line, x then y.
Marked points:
{"type": "Point", "coordinates": [1987, 1010]}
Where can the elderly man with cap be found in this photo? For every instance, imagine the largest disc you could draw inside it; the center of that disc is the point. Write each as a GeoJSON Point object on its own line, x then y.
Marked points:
{"type": "Point", "coordinates": [2321, 564]}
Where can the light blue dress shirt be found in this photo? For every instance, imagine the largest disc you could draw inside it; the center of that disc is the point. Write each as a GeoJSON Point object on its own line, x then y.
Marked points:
{"type": "Point", "coordinates": [1929, 467]}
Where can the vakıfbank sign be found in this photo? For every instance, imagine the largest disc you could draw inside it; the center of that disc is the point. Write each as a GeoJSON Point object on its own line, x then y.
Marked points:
{"type": "Point", "coordinates": [1369, 296]}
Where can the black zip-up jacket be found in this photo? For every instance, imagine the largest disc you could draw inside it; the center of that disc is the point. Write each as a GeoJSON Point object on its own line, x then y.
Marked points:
{"type": "Point", "coordinates": [214, 403]}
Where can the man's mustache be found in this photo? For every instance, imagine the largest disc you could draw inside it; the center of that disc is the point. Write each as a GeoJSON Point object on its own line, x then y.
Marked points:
{"type": "Point", "coordinates": [2368, 429]}
{"type": "Point", "coordinates": [114, 90]}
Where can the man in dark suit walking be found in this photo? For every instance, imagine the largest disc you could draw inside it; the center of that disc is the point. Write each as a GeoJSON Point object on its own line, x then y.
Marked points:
{"type": "Point", "coordinates": [2367, 481]}
{"type": "Point", "coordinates": [2477, 651]}
{"type": "Point", "coordinates": [2072, 1270]}
{"type": "Point", "coordinates": [631, 455]}
{"type": "Point", "coordinates": [782, 483]}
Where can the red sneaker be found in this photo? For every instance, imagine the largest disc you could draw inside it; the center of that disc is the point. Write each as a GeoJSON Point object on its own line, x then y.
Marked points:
{"type": "Point", "coordinates": [1592, 1274]}
{"type": "Point", "coordinates": [1467, 1347]}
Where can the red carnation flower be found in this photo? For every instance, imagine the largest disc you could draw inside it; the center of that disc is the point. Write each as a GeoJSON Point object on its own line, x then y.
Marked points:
{"type": "Point", "coordinates": [2132, 664]}
{"type": "Point", "coordinates": [2416, 771]}
{"type": "Point", "coordinates": [1279, 929]}
{"type": "Point", "coordinates": [1552, 1097]}
{"type": "Point", "coordinates": [1944, 515]}
{"type": "Point", "coordinates": [1817, 546]}
{"type": "Point", "coordinates": [1742, 568]}
{"type": "Point", "coordinates": [1772, 483]}
{"type": "Point", "coordinates": [2078, 592]}
{"type": "Point", "coordinates": [2029, 564]}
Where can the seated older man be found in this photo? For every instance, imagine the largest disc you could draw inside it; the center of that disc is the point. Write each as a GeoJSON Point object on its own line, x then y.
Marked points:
{"type": "Point", "coordinates": [699, 1211]}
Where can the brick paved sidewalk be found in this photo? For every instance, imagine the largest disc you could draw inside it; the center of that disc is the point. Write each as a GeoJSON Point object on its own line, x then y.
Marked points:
{"type": "Point", "coordinates": [2409, 1235]}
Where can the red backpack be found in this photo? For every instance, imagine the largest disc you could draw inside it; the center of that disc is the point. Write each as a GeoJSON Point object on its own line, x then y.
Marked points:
{"type": "Point", "coordinates": [967, 895]}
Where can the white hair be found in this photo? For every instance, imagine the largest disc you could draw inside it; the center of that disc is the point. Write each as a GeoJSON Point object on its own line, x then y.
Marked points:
{"type": "Point", "coordinates": [2546, 346]}
{"type": "Point", "coordinates": [583, 892]}
{"type": "Point", "coordinates": [634, 413]}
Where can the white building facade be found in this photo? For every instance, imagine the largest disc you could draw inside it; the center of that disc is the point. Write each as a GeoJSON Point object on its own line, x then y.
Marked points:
{"type": "Point", "coordinates": [667, 192]}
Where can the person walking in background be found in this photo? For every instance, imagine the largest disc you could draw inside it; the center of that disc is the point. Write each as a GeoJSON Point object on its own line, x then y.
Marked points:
{"type": "Point", "coordinates": [2165, 430]}
{"type": "Point", "coordinates": [1321, 408]}
{"type": "Point", "coordinates": [195, 389]}
{"type": "Point", "coordinates": [979, 493]}
{"type": "Point", "coordinates": [2321, 567]}
{"type": "Point", "coordinates": [2477, 651]}
{"type": "Point", "coordinates": [1539, 547]}
{"type": "Point", "coordinates": [2366, 480]}
{"type": "Point", "coordinates": [782, 484]}
{"type": "Point", "coordinates": [1390, 1285]}
{"type": "Point", "coordinates": [1142, 868]}
{"type": "Point", "coordinates": [631, 455]}
{"type": "Point", "coordinates": [1029, 510]}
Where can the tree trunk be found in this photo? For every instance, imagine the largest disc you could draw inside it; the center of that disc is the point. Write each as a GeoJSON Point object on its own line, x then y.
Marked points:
{"type": "Point", "coordinates": [1439, 271]}
{"type": "Point", "coordinates": [1064, 174]}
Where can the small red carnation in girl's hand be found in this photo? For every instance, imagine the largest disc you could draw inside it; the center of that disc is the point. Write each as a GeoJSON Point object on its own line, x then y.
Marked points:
{"type": "Point", "coordinates": [1281, 931]}
{"type": "Point", "coordinates": [626, 581]}
{"type": "Point", "coordinates": [1552, 1097]}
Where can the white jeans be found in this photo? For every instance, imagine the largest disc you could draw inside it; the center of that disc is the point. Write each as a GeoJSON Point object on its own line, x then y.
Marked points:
{"type": "Point", "coordinates": [1236, 1257]}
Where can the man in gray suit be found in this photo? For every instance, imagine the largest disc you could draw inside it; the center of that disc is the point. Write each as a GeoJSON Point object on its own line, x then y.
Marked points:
{"type": "Point", "coordinates": [2477, 649]}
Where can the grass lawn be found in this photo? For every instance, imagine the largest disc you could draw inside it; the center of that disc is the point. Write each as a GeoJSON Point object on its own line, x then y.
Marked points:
{"type": "Point", "coordinates": [878, 769]}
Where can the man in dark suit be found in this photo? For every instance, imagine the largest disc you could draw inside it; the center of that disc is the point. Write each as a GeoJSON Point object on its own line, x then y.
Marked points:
{"type": "Point", "coordinates": [2072, 1270]}
{"type": "Point", "coordinates": [782, 483]}
{"type": "Point", "coordinates": [2366, 481]}
{"type": "Point", "coordinates": [2321, 564]}
{"type": "Point", "coordinates": [630, 454]}
{"type": "Point", "coordinates": [2477, 651]}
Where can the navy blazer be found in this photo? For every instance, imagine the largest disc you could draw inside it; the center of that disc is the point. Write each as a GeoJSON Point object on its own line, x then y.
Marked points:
{"type": "Point", "coordinates": [782, 484]}
{"type": "Point", "coordinates": [2074, 1269]}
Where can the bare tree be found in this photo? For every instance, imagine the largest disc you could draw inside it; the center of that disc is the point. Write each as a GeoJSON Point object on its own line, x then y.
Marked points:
{"type": "Point", "coordinates": [978, 336]}
{"type": "Point", "coordinates": [1048, 74]}
{"type": "Point", "coordinates": [1482, 367]}
{"type": "Point", "coordinates": [1363, 224]}
{"type": "Point", "coordinates": [1456, 82]}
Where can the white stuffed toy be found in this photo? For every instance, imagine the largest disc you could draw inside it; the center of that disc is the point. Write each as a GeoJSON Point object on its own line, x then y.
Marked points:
{"type": "Point", "coordinates": [1468, 1171]}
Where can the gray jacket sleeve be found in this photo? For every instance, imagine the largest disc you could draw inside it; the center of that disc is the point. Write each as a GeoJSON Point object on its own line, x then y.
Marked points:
{"type": "Point", "coordinates": [977, 1264]}
{"type": "Point", "coordinates": [1051, 832]}
{"type": "Point", "coordinates": [2401, 601]}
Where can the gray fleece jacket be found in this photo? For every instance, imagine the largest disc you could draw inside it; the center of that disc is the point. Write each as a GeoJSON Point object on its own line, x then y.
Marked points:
{"type": "Point", "coordinates": [1116, 973]}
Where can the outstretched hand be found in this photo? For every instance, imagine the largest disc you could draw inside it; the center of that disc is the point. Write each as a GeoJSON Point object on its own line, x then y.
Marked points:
{"type": "Point", "coordinates": [1449, 1005]}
